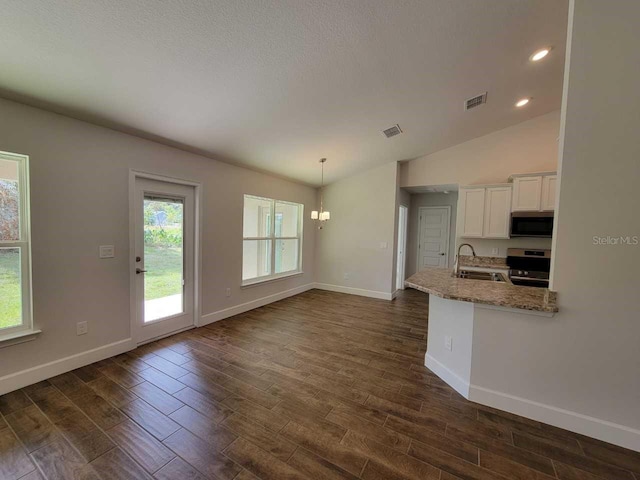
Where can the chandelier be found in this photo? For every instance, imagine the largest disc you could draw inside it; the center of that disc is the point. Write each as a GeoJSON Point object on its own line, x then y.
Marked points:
{"type": "Point", "coordinates": [322, 215]}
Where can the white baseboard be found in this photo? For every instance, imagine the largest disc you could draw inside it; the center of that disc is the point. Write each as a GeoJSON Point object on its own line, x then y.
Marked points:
{"type": "Point", "coordinates": [21, 379]}
{"type": "Point", "coordinates": [245, 307]}
{"type": "Point", "coordinates": [354, 291]}
{"type": "Point", "coordinates": [576, 422]}
{"type": "Point", "coordinates": [454, 381]}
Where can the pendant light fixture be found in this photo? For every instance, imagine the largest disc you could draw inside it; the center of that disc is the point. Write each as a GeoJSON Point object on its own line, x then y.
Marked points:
{"type": "Point", "coordinates": [321, 216]}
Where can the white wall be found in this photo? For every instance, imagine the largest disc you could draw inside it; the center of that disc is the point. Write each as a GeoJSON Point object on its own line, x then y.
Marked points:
{"type": "Point", "coordinates": [363, 214]}
{"type": "Point", "coordinates": [434, 199]}
{"type": "Point", "coordinates": [79, 200]}
{"type": "Point", "coordinates": [529, 146]}
{"type": "Point", "coordinates": [584, 361]}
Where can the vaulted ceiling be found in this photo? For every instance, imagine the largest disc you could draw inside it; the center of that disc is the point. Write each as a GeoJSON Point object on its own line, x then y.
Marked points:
{"type": "Point", "coordinates": [277, 84]}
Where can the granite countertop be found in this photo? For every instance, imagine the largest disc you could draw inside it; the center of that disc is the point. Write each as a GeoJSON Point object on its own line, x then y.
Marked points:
{"type": "Point", "coordinates": [440, 282]}
{"type": "Point", "coordinates": [494, 263]}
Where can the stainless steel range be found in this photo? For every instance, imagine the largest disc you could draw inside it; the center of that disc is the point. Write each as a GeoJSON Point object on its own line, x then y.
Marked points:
{"type": "Point", "coordinates": [529, 267]}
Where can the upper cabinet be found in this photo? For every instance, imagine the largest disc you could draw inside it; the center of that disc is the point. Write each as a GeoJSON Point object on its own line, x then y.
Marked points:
{"type": "Point", "coordinates": [485, 211]}
{"type": "Point", "coordinates": [548, 202]}
{"type": "Point", "coordinates": [472, 210]}
{"type": "Point", "coordinates": [534, 193]}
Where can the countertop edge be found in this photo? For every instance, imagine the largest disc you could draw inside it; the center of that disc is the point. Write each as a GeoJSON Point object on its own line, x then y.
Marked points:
{"type": "Point", "coordinates": [462, 298]}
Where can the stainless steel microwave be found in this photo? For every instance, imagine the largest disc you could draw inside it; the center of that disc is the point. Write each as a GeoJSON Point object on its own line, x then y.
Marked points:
{"type": "Point", "coordinates": [532, 224]}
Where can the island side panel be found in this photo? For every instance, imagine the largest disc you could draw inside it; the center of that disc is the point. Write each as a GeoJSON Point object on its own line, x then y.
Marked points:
{"type": "Point", "coordinates": [454, 319]}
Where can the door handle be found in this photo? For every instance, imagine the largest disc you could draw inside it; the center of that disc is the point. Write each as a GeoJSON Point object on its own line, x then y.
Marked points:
{"type": "Point", "coordinates": [139, 271]}
{"type": "Point", "coordinates": [442, 254]}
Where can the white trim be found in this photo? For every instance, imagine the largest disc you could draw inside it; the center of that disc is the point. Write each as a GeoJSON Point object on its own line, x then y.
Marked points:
{"type": "Point", "coordinates": [448, 207]}
{"type": "Point", "coordinates": [20, 336]}
{"type": "Point", "coordinates": [452, 379]}
{"type": "Point", "coordinates": [197, 247]}
{"type": "Point", "coordinates": [270, 278]}
{"type": "Point", "coordinates": [395, 293]}
{"type": "Point", "coordinates": [245, 307]}
{"type": "Point", "coordinates": [354, 291]}
{"type": "Point", "coordinates": [576, 422]}
{"type": "Point", "coordinates": [32, 375]}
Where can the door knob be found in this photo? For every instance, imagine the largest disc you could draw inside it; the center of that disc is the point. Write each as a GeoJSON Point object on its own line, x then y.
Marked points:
{"type": "Point", "coordinates": [139, 271]}
{"type": "Point", "coordinates": [442, 254]}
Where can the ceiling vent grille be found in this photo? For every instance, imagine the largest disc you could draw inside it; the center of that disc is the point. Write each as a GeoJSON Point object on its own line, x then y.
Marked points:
{"type": "Point", "coordinates": [392, 131]}
{"type": "Point", "coordinates": [475, 101]}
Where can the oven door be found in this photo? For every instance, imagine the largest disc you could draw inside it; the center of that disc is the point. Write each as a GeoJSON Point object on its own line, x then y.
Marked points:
{"type": "Point", "coordinates": [532, 224]}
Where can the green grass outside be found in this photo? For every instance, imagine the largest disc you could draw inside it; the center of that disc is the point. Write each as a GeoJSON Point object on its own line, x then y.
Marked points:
{"type": "Point", "coordinates": [163, 278]}
{"type": "Point", "coordinates": [10, 301]}
{"type": "Point", "coordinates": [164, 272]}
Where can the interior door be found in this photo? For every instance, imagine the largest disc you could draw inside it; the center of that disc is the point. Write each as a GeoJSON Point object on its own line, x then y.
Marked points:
{"type": "Point", "coordinates": [402, 245]}
{"type": "Point", "coordinates": [164, 258]}
{"type": "Point", "coordinates": [433, 243]}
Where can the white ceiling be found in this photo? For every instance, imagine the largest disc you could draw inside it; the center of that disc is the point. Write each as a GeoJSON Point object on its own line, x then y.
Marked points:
{"type": "Point", "coordinates": [277, 84]}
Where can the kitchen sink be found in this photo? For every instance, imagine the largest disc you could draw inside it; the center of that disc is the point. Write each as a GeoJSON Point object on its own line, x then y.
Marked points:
{"type": "Point", "coordinates": [489, 276]}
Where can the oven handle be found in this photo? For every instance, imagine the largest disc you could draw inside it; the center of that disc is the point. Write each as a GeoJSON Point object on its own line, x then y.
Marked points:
{"type": "Point", "coordinates": [543, 280]}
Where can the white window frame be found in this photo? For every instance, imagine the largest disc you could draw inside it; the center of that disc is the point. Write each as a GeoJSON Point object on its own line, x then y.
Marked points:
{"type": "Point", "coordinates": [24, 331]}
{"type": "Point", "coordinates": [272, 236]}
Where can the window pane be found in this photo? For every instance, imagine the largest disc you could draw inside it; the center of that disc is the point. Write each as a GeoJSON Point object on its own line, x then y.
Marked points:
{"type": "Point", "coordinates": [9, 201]}
{"type": "Point", "coordinates": [286, 255]}
{"type": "Point", "coordinates": [10, 290]}
{"type": "Point", "coordinates": [287, 216]}
{"type": "Point", "coordinates": [257, 217]}
{"type": "Point", "coordinates": [256, 259]}
{"type": "Point", "coordinates": [163, 258]}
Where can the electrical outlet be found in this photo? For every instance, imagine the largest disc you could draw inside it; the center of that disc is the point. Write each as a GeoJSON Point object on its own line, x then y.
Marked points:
{"type": "Point", "coordinates": [448, 342]}
{"type": "Point", "coordinates": [383, 245]}
{"type": "Point", "coordinates": [228, 292]}
{"type": "Point", "coordinates": [346, 276]}
{"type": "Point", "coordinates": [82, 328]}
{"type": "Point", "coordinates": [494, 251]}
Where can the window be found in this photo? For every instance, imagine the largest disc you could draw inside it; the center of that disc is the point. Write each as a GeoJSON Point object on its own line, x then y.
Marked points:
{"type": "Point", "coordinates": [15, 252]}
{"type": "Point", "coordinates": [272, 239]}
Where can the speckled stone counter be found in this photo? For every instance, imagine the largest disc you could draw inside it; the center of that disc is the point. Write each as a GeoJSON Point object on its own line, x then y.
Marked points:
{"type": "Point", "coordinates": [440, 282]}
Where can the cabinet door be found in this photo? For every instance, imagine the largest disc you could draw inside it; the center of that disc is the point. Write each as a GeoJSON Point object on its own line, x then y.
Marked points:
{"type": "Point", "coordinates": [549, 183]}
{"type": "Point", "coordinates": [526, 194]}
{"type": "Point", "coordinates": [497, 212]}
{"type": "Point", "coordinates": [472, 211]}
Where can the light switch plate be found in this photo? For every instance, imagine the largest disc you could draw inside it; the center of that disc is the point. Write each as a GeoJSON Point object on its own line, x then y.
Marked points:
{"type": "Point", "coordinates": [107, 251]}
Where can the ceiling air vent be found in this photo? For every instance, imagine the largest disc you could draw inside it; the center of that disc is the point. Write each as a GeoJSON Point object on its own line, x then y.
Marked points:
{"type": "Point", "coordinates": [475, 101]}
{"type": "Point", "coordinates": [392, 131]}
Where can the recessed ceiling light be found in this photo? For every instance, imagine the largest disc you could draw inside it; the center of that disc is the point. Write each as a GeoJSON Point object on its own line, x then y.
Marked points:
{"type": "Point", "coordinates": [522, 102]}
{"type": "Point", "coordinates": [540, 54]}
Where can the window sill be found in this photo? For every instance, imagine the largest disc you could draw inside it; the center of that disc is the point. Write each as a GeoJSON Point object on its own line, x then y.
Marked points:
{"type": "Point", "coordinates": [259, 281]}
{"type": "Point", "coordinates": [18, 337]}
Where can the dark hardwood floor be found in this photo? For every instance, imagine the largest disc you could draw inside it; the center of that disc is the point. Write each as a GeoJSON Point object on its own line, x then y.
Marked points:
{"type": "Point", "coordinates": [318, 386]}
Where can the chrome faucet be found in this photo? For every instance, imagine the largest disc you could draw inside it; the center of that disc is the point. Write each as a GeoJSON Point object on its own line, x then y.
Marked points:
{"type": "Point", "coordinates": [456, 264]}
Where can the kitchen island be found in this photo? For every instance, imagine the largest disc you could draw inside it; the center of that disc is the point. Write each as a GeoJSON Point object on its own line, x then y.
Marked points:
{"type": "Point", "coordinates": [468, 320]}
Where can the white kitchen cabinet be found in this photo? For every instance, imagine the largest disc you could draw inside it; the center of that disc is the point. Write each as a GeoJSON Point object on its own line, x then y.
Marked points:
{"type": "Point", "coordinates": [485, 211]}
{"type": "Point", "coordinates": [497, 212]}
{"type": "Point", "coordinates": [549, 183]}
{"type": "Point", "coordinates": [526, 194]}
{"type": "Point", "coordinates": [472, 211]}
{"type": "Point", "coordinates": [534, 193]}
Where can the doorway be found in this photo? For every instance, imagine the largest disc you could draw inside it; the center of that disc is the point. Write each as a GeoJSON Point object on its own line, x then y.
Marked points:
{"type": "Point", "coordinates": [164, 274]}
{"type": "Point", "coordinates": [403, 213]}
{"type": "Point", "coordinates": [433, 237]}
